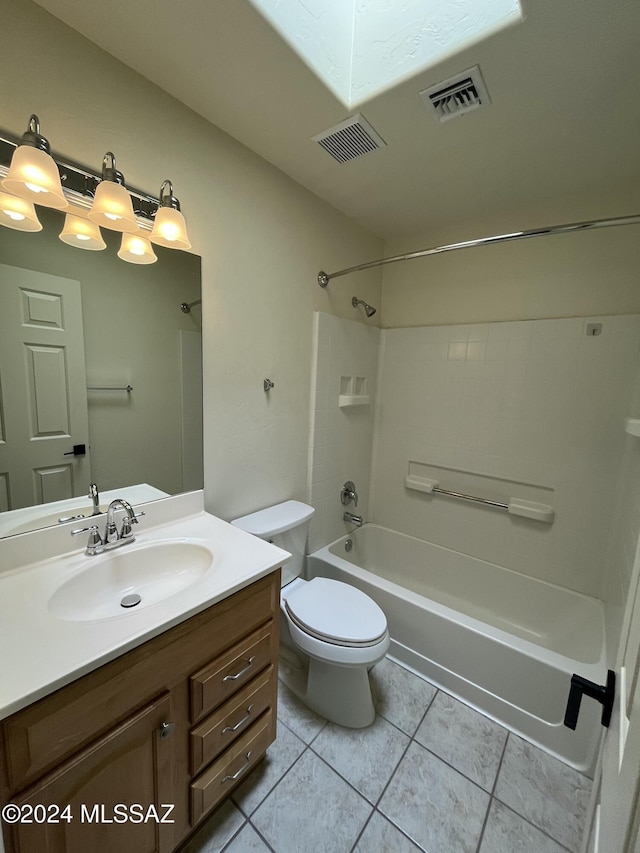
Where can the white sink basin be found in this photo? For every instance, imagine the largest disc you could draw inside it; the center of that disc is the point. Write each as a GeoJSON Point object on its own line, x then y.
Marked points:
{"type": "Point", "coordinates": [153, 572]}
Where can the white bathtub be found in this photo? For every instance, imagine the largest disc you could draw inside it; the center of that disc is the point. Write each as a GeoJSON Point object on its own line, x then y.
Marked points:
{"type": "Point", "coordinates": [499, 640]}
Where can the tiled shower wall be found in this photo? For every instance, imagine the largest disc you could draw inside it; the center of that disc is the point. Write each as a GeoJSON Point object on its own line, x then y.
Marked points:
{"type": "Point", "coordinates": [539, 402]}
{"type": "Point", "coordinates": [624, 533]}
{"type": "Point", "coordinates": [341, 438]}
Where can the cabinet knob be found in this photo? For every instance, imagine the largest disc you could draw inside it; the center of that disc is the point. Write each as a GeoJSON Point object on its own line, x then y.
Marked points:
{"type": "Point", "coordinates": [167, 729]}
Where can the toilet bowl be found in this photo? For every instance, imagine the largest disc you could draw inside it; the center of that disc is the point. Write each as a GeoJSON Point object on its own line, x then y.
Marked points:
{"type": "Point", "coordinates": [331, 633]}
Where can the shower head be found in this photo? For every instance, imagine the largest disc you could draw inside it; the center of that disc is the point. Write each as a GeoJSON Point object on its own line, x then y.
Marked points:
{"type": "Point", "coordinates": [368, 309]}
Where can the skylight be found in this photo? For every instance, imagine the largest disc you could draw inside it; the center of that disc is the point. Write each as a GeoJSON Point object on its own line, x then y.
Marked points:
{"type": "Point", "coordinates": [360, 48]}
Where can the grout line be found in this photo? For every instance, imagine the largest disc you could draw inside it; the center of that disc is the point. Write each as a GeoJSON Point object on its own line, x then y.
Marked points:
{"type": "Point", "coordinates": [261, 836]}
{"type": "Point", "coordinates": [491, 794]}
{"type": "Point", "coordinates": [361, 833]}
{"type": "Point", "coordinates": [232, 839]}
{"type": "Point", "coordinates": [237, 803]}
{"type": "Point", "coordinates": [539, 829]}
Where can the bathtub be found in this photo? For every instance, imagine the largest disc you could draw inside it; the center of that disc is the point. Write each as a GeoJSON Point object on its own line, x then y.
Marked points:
{"type": "Point", "coordinates": [501, 641]}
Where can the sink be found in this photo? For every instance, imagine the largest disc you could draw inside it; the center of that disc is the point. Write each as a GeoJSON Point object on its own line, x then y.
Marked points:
{"type": "Point", "coordinates": [151, 573]}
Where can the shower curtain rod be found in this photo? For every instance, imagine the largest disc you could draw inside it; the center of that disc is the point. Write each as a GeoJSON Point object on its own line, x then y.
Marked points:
{"type": "Point", "coordinates": [325, 277]}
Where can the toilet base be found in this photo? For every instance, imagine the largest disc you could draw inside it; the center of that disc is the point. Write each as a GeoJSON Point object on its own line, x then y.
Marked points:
{"type": "Point", "coordinates": [341, 694]}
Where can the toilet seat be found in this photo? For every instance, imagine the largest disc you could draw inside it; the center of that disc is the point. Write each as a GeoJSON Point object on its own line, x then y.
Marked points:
{"type": "Point", "coordinates": [337, 613]}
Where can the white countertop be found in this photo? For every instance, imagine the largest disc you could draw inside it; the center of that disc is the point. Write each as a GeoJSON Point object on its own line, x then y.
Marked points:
{"type": "Point", "coordinates": [42, 652]}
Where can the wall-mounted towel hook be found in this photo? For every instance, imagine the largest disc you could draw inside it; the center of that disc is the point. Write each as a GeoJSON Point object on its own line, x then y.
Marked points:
{"type": "Point", "coordinates": [268, 384]}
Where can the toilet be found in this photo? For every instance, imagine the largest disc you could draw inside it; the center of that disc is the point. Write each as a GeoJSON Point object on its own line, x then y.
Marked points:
{"type": "Point", "coordinates": [331, 633]}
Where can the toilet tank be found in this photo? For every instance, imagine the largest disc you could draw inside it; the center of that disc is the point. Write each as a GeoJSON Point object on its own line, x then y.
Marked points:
{"type": "Point", "coordinates": [287, 526]}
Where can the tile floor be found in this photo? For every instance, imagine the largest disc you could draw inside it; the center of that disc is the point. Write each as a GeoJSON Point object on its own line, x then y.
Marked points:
{"type": "Point", "coordinates": [430, 774]}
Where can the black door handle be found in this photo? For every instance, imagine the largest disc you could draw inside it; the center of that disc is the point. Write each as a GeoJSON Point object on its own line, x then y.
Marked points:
{"type": "Point", "coordinates": [78, 450]}
{"type": "Point", "coordinates": [603, 693]}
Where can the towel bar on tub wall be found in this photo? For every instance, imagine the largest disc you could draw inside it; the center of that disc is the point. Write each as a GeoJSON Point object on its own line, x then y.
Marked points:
{"type": "Point", "coordinates": [516, 506]}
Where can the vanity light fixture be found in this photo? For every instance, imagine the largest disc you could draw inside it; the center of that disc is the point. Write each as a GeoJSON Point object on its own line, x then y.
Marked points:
{"type": "Point", "coordinates": [79, 232]}
{"type": "Point", "coordinates": [112, 207]}
{"type": "Point", "coordinates": [169, 227]}
{"type": "Point", "coordinates": [33, 173]}
{"type": "Point", "coordinates": [90, 199]}
{"type": "Point", "coordinates": [136, 249]}
{"type": "Point", "coordinates": [18, 213]}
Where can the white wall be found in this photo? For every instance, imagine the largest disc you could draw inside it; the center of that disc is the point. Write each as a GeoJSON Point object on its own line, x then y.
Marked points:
{"type": "Point", "coordinates": [623, 533]}
{"type": "Point", "coordinates": [341, 438]}
{"type": "Point", "coordinates": [261, 236]}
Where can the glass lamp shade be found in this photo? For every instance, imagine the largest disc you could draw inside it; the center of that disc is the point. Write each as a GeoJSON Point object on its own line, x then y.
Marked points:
{"type": "Point", "coordinates": [81, 233]}
{"type": "Point", "coordinates": [170, 229]}
{"type": "Point", "coordinates": [136, 249]}
{"type": "Point", "coordinates": [112, 208]}
{"type": "Point", "coordinates": [33, 175]}
{"type": "Point", "coordinates": [18, 213]}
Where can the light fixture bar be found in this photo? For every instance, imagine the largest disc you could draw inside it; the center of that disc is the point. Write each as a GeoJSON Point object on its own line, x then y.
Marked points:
{"type": "Point", "coordinates": [634, 219]}
{"type": "Point", "coordinates": [79, 183]}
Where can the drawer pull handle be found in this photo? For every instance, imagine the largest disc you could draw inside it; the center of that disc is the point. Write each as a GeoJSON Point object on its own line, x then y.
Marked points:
{"type": "Point", "coordinates": [238, 773]}
{"type": "Point", "coordinates": [167, 729]}
{"type": "Point", "coordinates": [242, 671]}
{"type": "Point", "coordinates": [240, 724]}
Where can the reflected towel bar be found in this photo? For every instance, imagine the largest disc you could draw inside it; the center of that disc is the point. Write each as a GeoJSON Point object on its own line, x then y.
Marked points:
{"type": "Point", "coordinates": [516, 506]}
{"type": "Point", "coordinates": [127, 388]}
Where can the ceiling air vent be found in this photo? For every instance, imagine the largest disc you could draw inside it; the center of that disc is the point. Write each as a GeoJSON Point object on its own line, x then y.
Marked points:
{"type": "Point", "coordinates": [457, 95]}
{"type": "Point", "coordinates": [349, 139]}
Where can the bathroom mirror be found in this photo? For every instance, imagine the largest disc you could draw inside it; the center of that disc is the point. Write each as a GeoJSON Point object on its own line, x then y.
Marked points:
{"type": "Point", "coordinates": [98, 352]}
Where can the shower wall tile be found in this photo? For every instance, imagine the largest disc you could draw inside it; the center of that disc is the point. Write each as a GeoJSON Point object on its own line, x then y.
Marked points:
{"type": "Point", "coordinates": [340, 438]}
{"type": "Point", "coordinates": [536, 401]}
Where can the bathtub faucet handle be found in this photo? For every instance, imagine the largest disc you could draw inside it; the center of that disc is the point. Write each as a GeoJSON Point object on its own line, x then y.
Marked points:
{"type": "Point", "coordinates": [348, 494]}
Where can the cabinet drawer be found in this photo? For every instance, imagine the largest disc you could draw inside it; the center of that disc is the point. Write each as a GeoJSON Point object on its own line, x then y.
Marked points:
{"type": "Point", "coordinates": [232, 719]}
{"type": "Point", "coordinates": [215, 682]}
{"type": "Point", "coordinates": [232, 766]}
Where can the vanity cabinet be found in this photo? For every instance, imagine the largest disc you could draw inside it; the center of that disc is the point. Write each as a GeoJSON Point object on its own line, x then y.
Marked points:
{"type": "Point", "coordinates": [177, 722]}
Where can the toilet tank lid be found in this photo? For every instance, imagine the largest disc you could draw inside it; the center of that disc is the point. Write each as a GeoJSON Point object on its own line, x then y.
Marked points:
{"type": "Point", "coordinates": [275, 519]}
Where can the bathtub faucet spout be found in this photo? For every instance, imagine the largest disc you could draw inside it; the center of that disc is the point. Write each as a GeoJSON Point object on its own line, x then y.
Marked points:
{"type": "Point", "coordinates": [350, 518]}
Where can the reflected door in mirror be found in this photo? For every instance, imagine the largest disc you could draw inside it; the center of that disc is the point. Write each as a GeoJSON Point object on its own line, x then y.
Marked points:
{"type": "Point", "coordinates": [43, 403]}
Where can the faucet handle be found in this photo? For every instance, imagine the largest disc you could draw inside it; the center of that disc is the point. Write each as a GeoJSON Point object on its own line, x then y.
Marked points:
{"type": "Point", "coordinates": [94, 535]}
{"type": "Point", "coordinates": [349, 494]}
{"type": "Point", "coordinates": [125, 530]}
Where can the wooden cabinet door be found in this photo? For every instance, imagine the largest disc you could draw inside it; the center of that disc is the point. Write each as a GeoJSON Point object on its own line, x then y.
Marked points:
{"type": "Point", "coordinates": [131, 765]}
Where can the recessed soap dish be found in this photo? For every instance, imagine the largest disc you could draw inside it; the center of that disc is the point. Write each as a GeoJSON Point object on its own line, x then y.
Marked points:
{"type": "Point", "coordinates": [632, 426]}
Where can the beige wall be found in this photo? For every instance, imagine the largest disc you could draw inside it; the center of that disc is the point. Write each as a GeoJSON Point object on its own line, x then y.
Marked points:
{"type": "Point", "coordinates": [561, 275]}
{"type": "Point", "coordinates": [261, 236]}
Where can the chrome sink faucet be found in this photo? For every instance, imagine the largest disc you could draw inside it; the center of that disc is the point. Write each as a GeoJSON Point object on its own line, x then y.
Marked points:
{"type": "Point", "coordinates": [113, 538]}
{"type": "Point", "coordinates": [111, 534]}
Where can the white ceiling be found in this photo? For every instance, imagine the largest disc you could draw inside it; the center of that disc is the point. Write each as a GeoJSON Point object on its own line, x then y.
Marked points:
{"type": "Point", "coordinates": [561, 132]}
